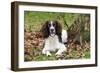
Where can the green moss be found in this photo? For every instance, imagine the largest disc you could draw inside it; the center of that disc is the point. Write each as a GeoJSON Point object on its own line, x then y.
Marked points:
{"type": "Point", "coordinates": [87, 55]}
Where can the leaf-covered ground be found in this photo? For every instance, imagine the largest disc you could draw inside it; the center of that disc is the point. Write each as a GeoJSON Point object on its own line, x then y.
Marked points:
{"type": "Point", "coordinates": [34, 44]}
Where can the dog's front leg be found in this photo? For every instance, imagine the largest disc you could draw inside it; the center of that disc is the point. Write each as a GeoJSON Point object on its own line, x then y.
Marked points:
{"type": "Point", "coordinates": [61, 49]}
{"type": "Point", "coordinates": [46, 49]}
{"type": "Point", "coordinates": [47, 52]}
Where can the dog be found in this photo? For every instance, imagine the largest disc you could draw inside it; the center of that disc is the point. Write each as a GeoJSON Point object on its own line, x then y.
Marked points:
{"type": "Point", "coordinates": [54, 38]}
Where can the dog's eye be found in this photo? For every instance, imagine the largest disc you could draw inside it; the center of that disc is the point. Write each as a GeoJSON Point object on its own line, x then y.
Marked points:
{"type": "Point", "coordinates": [54, 24]}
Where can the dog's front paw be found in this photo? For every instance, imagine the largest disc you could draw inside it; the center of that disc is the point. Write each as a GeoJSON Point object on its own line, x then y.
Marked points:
{"type": "Point", "coordinates": [48, 54]}
{"type": "Point", "coordinates": [58, 54]}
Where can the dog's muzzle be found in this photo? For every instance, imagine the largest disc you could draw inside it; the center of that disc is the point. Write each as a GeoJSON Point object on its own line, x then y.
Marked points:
{"type": "Point", "coordinates": [52, 32]}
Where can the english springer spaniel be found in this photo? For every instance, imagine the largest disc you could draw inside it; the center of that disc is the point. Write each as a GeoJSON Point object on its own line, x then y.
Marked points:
{"type": "Point", "coordinates": [54, 38]}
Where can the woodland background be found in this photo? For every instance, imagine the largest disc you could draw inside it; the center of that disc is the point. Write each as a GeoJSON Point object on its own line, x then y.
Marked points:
{"type": "Point", "coordinates": [77, 26]}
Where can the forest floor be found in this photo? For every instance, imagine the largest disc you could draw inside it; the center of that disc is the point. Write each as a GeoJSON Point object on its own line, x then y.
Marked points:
{"type": "Point", "coordinates": [33, 45]}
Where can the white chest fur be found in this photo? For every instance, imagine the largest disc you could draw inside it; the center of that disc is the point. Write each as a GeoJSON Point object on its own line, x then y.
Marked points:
{"type": "Point", "coordinates": [52, 42]}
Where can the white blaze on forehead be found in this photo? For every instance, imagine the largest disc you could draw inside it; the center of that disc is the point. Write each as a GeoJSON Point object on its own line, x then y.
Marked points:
{"type": "Point", "coordinates": [52, 27]}
{"type": "Point", "coordinates": [51, 22]}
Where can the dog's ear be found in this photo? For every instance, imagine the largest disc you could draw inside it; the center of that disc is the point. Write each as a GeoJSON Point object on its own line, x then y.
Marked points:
{"type": "Point", "coordinates": [45, 30]}
{"type": "Point", "coordinates": [58, 30]}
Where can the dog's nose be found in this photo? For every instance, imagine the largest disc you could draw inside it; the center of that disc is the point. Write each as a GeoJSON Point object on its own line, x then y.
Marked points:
{"type": "Point", "coordinates": [52, 30]}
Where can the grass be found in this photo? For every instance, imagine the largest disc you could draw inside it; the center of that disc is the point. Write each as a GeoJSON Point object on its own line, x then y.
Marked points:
{"type": "Point", "coordinates": [35, 19]}
{"type": "Point", "coordinates": [44, 57]}
{"type": "Point", "coordinates": [87, 54]}
{"type": "Point", "coordinates": [54, 57]}
{"type": "Point", "coordinates": [74, 54]}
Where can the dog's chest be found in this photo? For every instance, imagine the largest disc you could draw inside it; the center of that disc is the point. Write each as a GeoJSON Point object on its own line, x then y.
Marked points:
{"type": "Point", "coordinates": [53, 41]}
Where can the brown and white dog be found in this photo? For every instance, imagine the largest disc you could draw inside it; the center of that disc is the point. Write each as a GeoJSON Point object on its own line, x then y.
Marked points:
{"type": "Point", "coordinates": [54, 38]}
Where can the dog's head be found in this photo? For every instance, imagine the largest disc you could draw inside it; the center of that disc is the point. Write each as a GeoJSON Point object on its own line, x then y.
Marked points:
{"type": "Point", "coordinates": [51, 28]}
